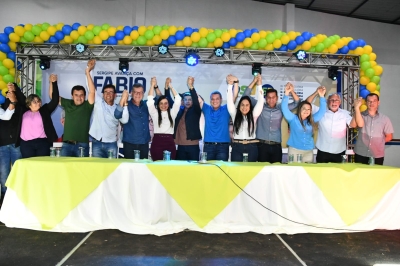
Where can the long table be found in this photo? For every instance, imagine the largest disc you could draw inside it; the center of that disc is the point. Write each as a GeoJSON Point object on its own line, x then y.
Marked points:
{"type": "Point", "coordinates": [84, 194]}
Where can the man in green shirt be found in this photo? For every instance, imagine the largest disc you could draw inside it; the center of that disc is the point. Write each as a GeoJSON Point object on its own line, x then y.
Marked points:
{"type": "Point", "coordinates": [77, 118]}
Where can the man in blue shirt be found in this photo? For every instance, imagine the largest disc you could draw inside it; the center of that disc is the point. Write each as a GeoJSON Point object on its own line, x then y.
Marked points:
{"type": "Point", "coordinates": [136, 134]}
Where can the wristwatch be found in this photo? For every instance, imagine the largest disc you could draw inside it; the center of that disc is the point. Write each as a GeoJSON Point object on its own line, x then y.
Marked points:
{"type": "Point", "coordinates": [236, 81]}
{"type": "Point", "coordinates": [14, 103]}
{"type": "Point", "coordinates": [156, 87]}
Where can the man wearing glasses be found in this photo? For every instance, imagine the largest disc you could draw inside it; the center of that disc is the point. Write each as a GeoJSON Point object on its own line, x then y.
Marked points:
{"type": "Point", "coordinates": [377, 129]}
{"type": "Point", "coordinates": [332, 128]}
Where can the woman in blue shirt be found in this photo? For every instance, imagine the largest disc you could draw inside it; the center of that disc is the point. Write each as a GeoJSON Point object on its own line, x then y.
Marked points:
{"type": "Point", "coordinates": [302, 124]}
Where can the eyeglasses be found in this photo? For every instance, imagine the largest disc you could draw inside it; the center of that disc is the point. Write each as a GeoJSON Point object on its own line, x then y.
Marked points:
{"type": "Point", "coordinates": [374, 101]}
{"type": "Point", "coordinates": [137, 92]}
{"type": "Point", "coordinates": [334, 100]}
{"type": "Point", "coordinates": [36, 101]}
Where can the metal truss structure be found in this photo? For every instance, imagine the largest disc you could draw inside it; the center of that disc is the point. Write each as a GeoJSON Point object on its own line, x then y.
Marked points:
{"type": "Point", "coordinates": [349, 65]}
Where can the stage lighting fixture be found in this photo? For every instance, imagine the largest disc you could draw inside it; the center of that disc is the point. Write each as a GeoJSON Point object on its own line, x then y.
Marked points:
{"type": "Point", "coordinates": [256, 69]}
{"type": "Point", "coordinates": [333, 72]}
{"type": "Point", "coordinates": [219, 51]}
{"type": "Point", "coordinates": [162, 49]}
{"type": "Point", "coordinates": [123, 65]}
{"type": "Point", "coordinates": [300, 55]}
{"type": "Point", "coordinates": [192, 58]}
{"type": "Point", "coordinates": [80, 47]}
{"type": "Point", "coordinates": [44, 63]}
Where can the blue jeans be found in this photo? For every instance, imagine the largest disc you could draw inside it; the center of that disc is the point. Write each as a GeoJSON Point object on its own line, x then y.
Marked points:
{"type": "Point", "coordinates": [238, 149]}
{"type": "Point", "coordinates": [100, 149]}
{"type": "Point", "coordinates": [72, 150]}
{"type": "Point", "coordinates": [8, 155]}
{"type": "Point", "coordinates": [217, 151]}
{"type": "Point", "coordinates": [188, 152]}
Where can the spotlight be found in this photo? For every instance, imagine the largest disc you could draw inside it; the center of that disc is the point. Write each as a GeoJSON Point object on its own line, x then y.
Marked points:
{"type": "Point", "coordinates": [123, 65]}
{"type": "Point", "coordinates": [192, 58]}
{"type": "Point", "coordinates": [256, 69]}
{"type": "Point", "coordinates": [162, 49]}
{"type": "Point", "coordinates": [80, 47]}
{"type": "Point", "coordinates": [333, 72]}
{"type": "Point", "coordinates": [219, 51]}
{"type": "Point", "coordinates": [300, 55]}
{"type": "Point", "coordinates": [44, 63]}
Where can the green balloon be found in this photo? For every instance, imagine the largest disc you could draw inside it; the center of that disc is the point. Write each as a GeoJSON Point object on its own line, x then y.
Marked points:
{"type": "Point", "coordinates": [203, 42]}
{"type": "Point", "coordinates": [270, 38]}
{"type": "Point", "coordinates": [36, 30]}
{"type": "Point", "coordinates": [277, 33]}
{"type": "Point", "coordinates": [311, 50]}
{"type": "Point", "coordinates": [376, 80]}
{"type": "Point", "coordinates": [134, 42]}
{"type": "Point", "coordinates": [82, 39]}
{"type": "Point", "coordinates": [337, 37]}
{"type": "Point", "coordinates": [225, 30]}
{"type": "Point", "coordinates": [378, 87]}
{"type": "Point", "coordinates": [89, 35]}
{"type": "Point", "coordinates": [1, 64]}
{"type": "Point", "coordinates": [96, 30]}
{"type": "Point", "coordinates": [8, 78]}
{"type": "Point", "coordinates": [365, 65]}
{"type": "Point", "coordinates": [218, 32]}
{"type": "Point", "coordinates": [254, 46]}
{"type": "Point", "coordinates": [165, 27]}
{"type": "Point", "coordinates": [320, 47]}
{"type": "Point", "coordinates": [327, 42]}
{"type": "Point", "coordinates": [195, 44]}
{"type": "Point", "coordinates": [23, 39]}
{"type": "Point", "coordinates": [75, 41]}
{"type": "Point", "coordinates": [370, 72]}
{"type": "Point", "coordinates": [28, 35]}
{"type": "Point", "coordinates": [283, 33]}
{"type": "Point", "coordinates": [262, 43]}
{"type": "Point", "coordinates": [149, 34]}
{"type": "Point", "coordinates": [211, 37]}
{"type": "Point", "coordinates": [3, 70]}
{"type": "Point", "coordinates": [141, 40]}
{"type": "Point", "coordinates": [45, 26]}
{"type": "Point", "coordinates": [364, 58]}
{"type": "Point", "coordinates": [157, 29]}
{"type": "Point", "coordinates": [105, 26]}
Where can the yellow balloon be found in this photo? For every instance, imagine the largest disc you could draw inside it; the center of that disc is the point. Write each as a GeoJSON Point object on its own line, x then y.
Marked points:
{"type": "Point", "coordinates": [378, 70]}
{"type": "Point", "coordinates": [345, 40]}
{"type": "Point", "coordinates": [19, 30]}
{"type": "Point", "coordinates": [320, 37]}
{"type": "Point", "coordinates": [225, 37]}
{"type": "Point", "coordinates": [2, 56]}
{"type": "Point", "coordinates": [269, 47]}
{"type": "Point", "coordinates": [142, 30]}
{"type": "Point", "coordinates": [325, 51]}
{"type": "Point", "coordinates": [376, 92]}
{"type": "Point", "coordinates": [74, 35]}
{"type": "Point", "coordinates": [359, 51]}
{"type": "Point", "coordinates": [363, 101]}
{"type": "Point", "coordinates": [11, 71]}
{"type": "Point", "coordinates": [149, 43]}
{"type": "Point", "coordinates": [314, 41]}
{"type": "Point", "coordinates": [82, 30]}
{"type": "Point", "coordinates": [373, 63]}
{"type": "Point", "coordinates": [333, 49]}
{"type": "Point", "coordinates": [367, 49]}
{"type": "Point", "coordinates": [68, 39]}
{"type": "Point", "coordinates": [285, 39]}
{"type": "Point", "coordinates": [44, 35]}
{"type": "Point", "coordinates": [255, 37]}
{"type": "Point", "coordinates": [134, 35]}
{"type": "Point", "coordinates": [127, 39]}
{"type": "Point", "coordinates": [362, 73]}
{"type": "Point", "coordinates": [277, 44]}
{"type": "Point", "coordinates": [263, 34]}
{"type": "Point", "coordinates": [96, 40]}
{"type": "Point", "coordinates": [120, 27]}
{"type": "Point", "coordinates": [14, 37]}
{"type": "Point", "coordinates": [37, 39]}
{"type": "Point", "coordinates": [28, 26]}
{"type": "Point", "coordinates": [292, 35]}
{"type": "Point", "coordinates": [157, 39]}
{"type": "Point", "coordinates": [3, 85]}
{"type": "Point", "coordinates": [179, 44]}
{"type": "Point", "coordinates": [233, 32]}
{"type": "Point", "coordinates": [239, 45]}
{"type": "Point", "coordinates": [203, 32]}
{"type": "Point", "coordinates": [13, 46]}
{"type": "Point", "coordinates": [150, 27]}
{"type": "Point", "coordinates": [247, 42]}
{"type": "Point", "coordinates": [59, 26]}
{"type": "Point", "coordinates": [210, 45]}
{"type": "Point", "coordinates": [372, 56]}
{"type": "Point", "coordinates": [111, 31]}
{"type": "Point", "coordinates": [306, 45]}
{"type": "Point", "coordinates": [363, 107]}
{"type": "Point", "coordinates": [104, 35]}
{"type": "Point", "coordinates": [90, 26]}
{"type": "Point", "coordinates": [371, 86]}
{"type": "Point", "coordinates": [195, 36]}
{"type": "Point", "coordinates": [187, 41]}
{"type": "Point", "coordinates": [4, 90]}
{"type": "Point", "coordinates": [364, 80]}
{"type": "Point", "coordinates": [181, 28]}
{"type": "Point", "coordinates": [164, 34]}
{"type": "Point", "coordinates": [51, 30]}
{"type": "Point", "coordinates": [218, 42]}
{"type": "Point", "coordinates": [121, 42]}
{"type": "Point", "coordinates": [339, 43]}
{"type": "Point", "coordinates": [172, 30]}
{"type": "Point", "coordinates": [89, 42]}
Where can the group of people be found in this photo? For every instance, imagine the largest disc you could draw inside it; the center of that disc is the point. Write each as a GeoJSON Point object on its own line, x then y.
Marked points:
{"type": "Point", "coordinates": [27, 129]}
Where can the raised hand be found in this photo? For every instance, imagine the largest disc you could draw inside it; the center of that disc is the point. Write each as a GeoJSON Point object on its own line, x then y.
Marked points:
{"type": "Point", "coordinates": [357, 103]}
{"type": "Point", "coordinates": [190, 82]}
{"type": "Point", "coordinates": [91, 64]}
{"type": "Point", "coordinates": [53, 78]}
{"type": "Point", "coordinates": [11, 96]}
{"type": "Point", "coordinates": [153, 81]}
{"type": "Point", "coordinates": [168, 82]}
{"type": "Point", "coordinates": [288, 88]}
{"type": "Point", "coordinates": [321, 91]}
{"type": "Point", "coordinates": [10, 86]}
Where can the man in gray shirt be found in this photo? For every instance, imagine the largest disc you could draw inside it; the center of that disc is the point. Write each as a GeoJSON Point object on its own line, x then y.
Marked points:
{"type": "Point", "coordinates": [269, 124]}
{"type": "Point", "coordinates": [372, 136]}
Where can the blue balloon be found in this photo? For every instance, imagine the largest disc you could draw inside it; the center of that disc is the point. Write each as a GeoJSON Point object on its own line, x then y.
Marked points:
{"type": "Point", "coordinates": [240, 37]}
{"type": "Point", "coordinates": [299, 40]}
{"type": "Point", "coordinates": [171, 40]}
{"type": "Point", "coordinates": [2, 99]}
{"type": "Point", "coordinates": [195, 30]}
{"type": "Point", "coordinates": [165, 42]}
{"type": "Point", "coordinates": [4, 38]}
{"type": "Point", "coordinates": [112, 40]}
{"type": "Point", "coordinates": [11, 55]}
{"type": "Point", "coordinates": [364, 93]}
{"type": "Point", "coordinates": [283, 48]}
{"type": "Point", "coordinates": [233, 42]}
{"type": "Point", "coordinates": [345, 49]}
{"type": "Point", "coordinates": [226, 45]}
{"type": "Point", "coordinates": [135, 28]}
{"type": "Point", "coordinates": [247, 33]}
{"type": "Point", "coordinates": [127, 30]}
{"type": "Point", "coordinates": [53, 39]}
{"type": "Point", "coordinates": [188, 31]}
{"type": "Point", "coordinates": [291, 45]}
{"type": "Point", "coordinates": [5, 48]}
{"type": "Point", "coordinates": [306, 35]}
{"type": "Point", "coordinates": [253, 30]}
{"type": "Point", "coordinates": [361, 43]}
{"type": "Point", "coordinates": [179, 35]}
{"type": "Point", "coordinates": [8, 30]}
{"type": "Point", "coordinates": [104, 42]}
{"type": "Point", "coordinates": [19, 65]}
{"type": "Point", "coordinates": [76, 25]}
{"type": "Point", "coordinates": [119, 35]}
{"type": "Point", "coordinates": [352, 44]}
{"type": "Point", "coordinates": [363, 87]}
{"type": "Point", "coordinates": [66, 29]}
{"type": "Point", "coordinates": [59, 35]}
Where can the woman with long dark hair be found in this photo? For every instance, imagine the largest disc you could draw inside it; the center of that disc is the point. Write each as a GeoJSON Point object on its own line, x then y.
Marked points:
{"type": "Point", "coordinates": [302, 125]}
{"type": "Point", "coordinates": [244, 118]}
{"type": "Point", "coordinates": [163, 120]}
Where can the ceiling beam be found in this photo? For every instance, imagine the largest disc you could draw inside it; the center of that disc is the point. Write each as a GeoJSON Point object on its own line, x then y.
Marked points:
{"type": "Point", "coordinates": [310, 4]}
{"type": "Point", "coordinates": [357, 7]}
{"type": "Point", "coordinates": [396, 19]}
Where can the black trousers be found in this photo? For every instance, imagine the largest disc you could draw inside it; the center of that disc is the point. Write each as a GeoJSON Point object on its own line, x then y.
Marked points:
{"type": "Point", "coordinates": [271, 153]}
{"type": "Point", "coordinates": [326, 157]}
{"type": "Point", "coordinates": [364, 160]}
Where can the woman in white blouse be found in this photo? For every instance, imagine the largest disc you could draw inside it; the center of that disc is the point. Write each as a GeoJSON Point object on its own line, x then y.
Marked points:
{"type": "Point", "coordinates": [244, 118]}
{"type": "Point", "coordinates": [163, 118]}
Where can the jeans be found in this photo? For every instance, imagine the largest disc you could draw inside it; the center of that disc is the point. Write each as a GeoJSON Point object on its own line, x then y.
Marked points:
{"type": "Point", "coordinates": [238, 149]}
{"type": "Point", "coordinates": [72, 150]}
{"type": "Point", "coordinates": [8, 155]}
{"type": "Point", "coordinates": [188, 152]}
{"type": "Point", "coordinates": [35, 147]}
{"type": "Point", "coordinates": [217, 151]}
{"type": "Point", "coordinates": [100, 149]}
{"type": "Point", "coordinates": [129, 148]}
{"type": "Point", "coordinates": [271, 153]}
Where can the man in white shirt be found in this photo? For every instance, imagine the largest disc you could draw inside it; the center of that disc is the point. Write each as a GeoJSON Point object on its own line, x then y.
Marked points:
{"type": "Point", "coordinates": [104, 127]}
{"type": "Point", "coordinates": [332, 128]}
